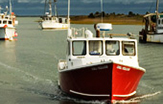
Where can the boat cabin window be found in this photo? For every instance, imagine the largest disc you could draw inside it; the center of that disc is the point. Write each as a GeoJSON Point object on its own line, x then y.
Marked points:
{"type": "Point", "coordinates": [65, 20]}
{"type": "Point", "coordinates": [95, 47]}
{"type": "Point", "coordinates": [128, 48]}
{"type": "Point", "coordinates": [5, 22]}
{"type": "Point", "coordinates": [6, 17]}
{"type": "Point", "coordinates": [9, 22]}
{"type": "Point", "coordinates": [60, 20]}
{"type": "Point", "coordinates": [0, 21]}
{"type": "Point", "coordinates": [79, 48]}
{"type": "Point", "coordinates": [159, 22]}
{"type": "Point", "coordinates": [112, 47]}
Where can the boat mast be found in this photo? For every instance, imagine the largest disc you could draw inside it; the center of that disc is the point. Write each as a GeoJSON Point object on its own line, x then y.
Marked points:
{"type": "Point", "coordinates": [45, 7]}
{"type": "Point", "coordinates": [101, 11]}
{"type": "Point", "coordinates": [55, 7]}
{"type": "Point", "coordinates": [0, 9]}
{"type": "Point", "coordinates": [157, 5]}
{"type": "Point", "coordinates": [50, 7]}
{"type": "Point", "coordinates": [68, 15]}
{"type": "Point", "coordinates": [10, 7]}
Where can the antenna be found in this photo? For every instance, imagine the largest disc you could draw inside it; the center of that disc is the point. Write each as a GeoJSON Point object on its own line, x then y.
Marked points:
{"type": "Point", "coordinates": [10, 7]}
{"type": "Point", "coordinates": [101, 11]}
{"type": "Point", "coordinates": [55, 8]}
{"type": "Point", "coordinates": [50, 7]}
{"type": "Point", "coordinates": [45, 6]}
{"type": "Point", "coordinates": [157, 5]}
{"type": "Point", "coordinates": [69, 32]}
{"type": "Point", "coordinates": [0, 9]}
{"type": "Point", "coordinates": [68, 14]}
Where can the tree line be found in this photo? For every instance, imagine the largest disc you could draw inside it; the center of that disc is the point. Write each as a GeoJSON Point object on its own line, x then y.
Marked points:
{"type": "Point", "coordinates": [103, 14]}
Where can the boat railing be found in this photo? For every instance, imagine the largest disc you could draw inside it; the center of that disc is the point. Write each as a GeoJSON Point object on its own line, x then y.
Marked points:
{"type": "Point", "coordinates": [78, 32]}
{"type": "Point", "coordinates": [129, 35]}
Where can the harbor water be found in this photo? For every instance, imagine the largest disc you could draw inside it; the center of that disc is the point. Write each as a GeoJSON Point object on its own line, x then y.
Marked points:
{"type": "Point", "coordinates": [28, 66]}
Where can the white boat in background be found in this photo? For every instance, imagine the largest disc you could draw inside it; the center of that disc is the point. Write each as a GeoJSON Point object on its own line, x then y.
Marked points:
{"type": "Point", "coordinates": [7, 24]}
{"type": "Point", "coordinates": [153, 31]}
{"type": "Point", "coordinates": [50, 21]}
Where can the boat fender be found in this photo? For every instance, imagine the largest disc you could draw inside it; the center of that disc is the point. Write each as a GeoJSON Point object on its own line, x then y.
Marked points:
{"type": "Point", "coordinates": [5, 26]}
{"type": "Point", "coordinates": [61, 65]}
{"type": "Point", "coordinates": [15, 34]}
{"type": "Point", "coordinates": [89, 34]}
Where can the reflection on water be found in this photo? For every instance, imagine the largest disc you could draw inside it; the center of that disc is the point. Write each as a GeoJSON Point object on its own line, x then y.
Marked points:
{"type": "Point", "coordinates": [28, 66]}
{"type": "Point", "coordinates": [8, 48]}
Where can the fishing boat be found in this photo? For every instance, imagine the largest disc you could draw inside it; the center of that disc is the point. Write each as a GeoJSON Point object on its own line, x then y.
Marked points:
{"type": "Point", "coordinates": [7, 24]}
{"type": "Point", "coordinates": [100, 66]}
{"type": "Point", "coordinates": [50, 21]}
{"type": "Point", "coordinates": [153, 31]}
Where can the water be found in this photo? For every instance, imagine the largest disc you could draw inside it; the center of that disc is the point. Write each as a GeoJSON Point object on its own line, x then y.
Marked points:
{"type": "Point", "coordinates": [28, 66]}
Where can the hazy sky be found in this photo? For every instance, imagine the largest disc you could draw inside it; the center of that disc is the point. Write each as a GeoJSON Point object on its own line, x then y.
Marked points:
{"type": "Point", "coordinates": [83, 7]}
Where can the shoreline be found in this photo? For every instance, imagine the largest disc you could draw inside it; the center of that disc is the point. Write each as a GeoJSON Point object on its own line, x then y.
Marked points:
{"type": "Point", "coordinates": [114, 20]}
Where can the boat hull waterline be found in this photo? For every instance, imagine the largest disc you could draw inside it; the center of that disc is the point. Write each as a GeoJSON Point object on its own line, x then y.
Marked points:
{"type": "Point", "coordinates": [7, 33]}
{"type": "Point", "coordinates": [51, 25]}
{"type": "Point", "coordinates": [103, 81]}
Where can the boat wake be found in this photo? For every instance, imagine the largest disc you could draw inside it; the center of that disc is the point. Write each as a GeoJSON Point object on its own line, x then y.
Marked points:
{"type": "Point", "coordinates": [136, 99]}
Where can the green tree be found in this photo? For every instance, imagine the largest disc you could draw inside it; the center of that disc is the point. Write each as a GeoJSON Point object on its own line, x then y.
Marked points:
{"type": "Point", "coordinates": [91, 15]}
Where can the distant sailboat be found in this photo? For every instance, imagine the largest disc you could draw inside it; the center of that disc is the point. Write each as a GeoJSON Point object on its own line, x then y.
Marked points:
{"type": "Point", "coordinates": [53, 22]}
{"type": "Point", "coordinates": [153, 31]}
{"type": "Point", "coordinates": [7, 23]}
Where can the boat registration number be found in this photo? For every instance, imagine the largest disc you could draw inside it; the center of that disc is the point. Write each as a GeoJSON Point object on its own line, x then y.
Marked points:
{"type": "Point", "coordinates": [100, 67]}
{"type": "Point", "coordinates": [123, 68]}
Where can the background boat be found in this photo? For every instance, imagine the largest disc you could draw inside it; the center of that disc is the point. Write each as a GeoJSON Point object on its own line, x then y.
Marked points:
{"type": "Point", "coordinates": [7, 24]}
{"type": "Point", "coordinates": [153, 31]}
{"type": "Point", "coordinates": [50, 21]}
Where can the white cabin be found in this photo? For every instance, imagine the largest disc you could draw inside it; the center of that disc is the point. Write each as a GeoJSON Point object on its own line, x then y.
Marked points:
{"type": "Point", "coordinates": [87, 50]}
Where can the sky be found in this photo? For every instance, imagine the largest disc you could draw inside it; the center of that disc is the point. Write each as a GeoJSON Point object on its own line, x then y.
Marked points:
{"type": "Point", "coordinates": [83, 7]}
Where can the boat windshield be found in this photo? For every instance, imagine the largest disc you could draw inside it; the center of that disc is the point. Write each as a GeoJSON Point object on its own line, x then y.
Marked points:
{"type": "Point", "coordinates": [128, 48]}
{"type": "Point", "coordinates": [112, 47]}
{"type": "Point", "coordinates": [95, 47]}
{"type": "Point", "coordinates": [79, 48]}
{"type": "Point", "coordinates": [9, 22]}
{"type": "Point", "coordinates": [4, 22]}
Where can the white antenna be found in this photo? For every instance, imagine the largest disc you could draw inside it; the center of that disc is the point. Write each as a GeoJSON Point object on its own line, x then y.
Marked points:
{"type": "Point", "coordinates": [50, 7]}
{"type": "Point", "coordinates": [0, 9]}
{"type": "Point", "coordinates": [157, 5]}
{"type": "Point", "coordinates": [10, 7]}
{"type": "Point", "coordinates": [68, 14]}
{"type": "Point", "coordinates": [69, 32]}
{"type": "Point", "coordinates": [55, 7]}
{"type": "Point", "coordinates": [101, 11]}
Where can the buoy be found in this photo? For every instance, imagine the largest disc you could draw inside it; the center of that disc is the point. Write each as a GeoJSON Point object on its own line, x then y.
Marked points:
{"type": "Point", "coordinates": [15, 34]}
{"type": "Point", "coordinates": [5, 26]}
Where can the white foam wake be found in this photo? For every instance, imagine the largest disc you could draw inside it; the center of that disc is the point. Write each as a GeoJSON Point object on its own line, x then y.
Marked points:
{"type": "Point", "coordinates": [136, 99]}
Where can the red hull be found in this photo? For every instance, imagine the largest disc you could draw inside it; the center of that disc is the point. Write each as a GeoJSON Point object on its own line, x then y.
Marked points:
{"type": "Point", "coordinates": [107, 81]}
